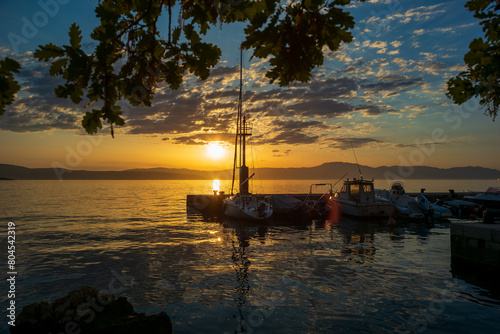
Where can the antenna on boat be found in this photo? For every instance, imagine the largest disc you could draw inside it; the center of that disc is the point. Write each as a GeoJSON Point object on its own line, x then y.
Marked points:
{"type": "Point", "coordinates": [355, 157]}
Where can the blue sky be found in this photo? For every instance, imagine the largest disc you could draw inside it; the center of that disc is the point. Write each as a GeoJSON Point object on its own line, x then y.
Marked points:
{"type": "Point", "coordinates": [384, 94]}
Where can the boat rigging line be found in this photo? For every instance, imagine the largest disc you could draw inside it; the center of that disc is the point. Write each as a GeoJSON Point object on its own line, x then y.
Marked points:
{"type": "Point", "coordinates": [355, 157]}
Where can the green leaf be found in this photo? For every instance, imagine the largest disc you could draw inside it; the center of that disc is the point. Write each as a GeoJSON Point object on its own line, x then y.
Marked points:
{"type": "Point", "coordinates": [92, 121]}
{"type": "Point", "coordinates": [75, 37]}
{"type": "Point", "coordinates": [46, 52]}
{"type": "Point", "coordinates": [9, 65]}
{"type": "Point", "coordinates": [8, 85]}
{"type": "Point", "coordinates": [56, 68]}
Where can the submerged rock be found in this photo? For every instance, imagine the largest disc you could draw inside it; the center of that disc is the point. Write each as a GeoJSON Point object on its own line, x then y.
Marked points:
{"type": "Point", "coordinates": [86, 311]}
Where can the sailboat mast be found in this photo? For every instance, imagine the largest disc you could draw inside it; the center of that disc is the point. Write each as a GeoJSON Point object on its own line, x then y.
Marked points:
{"type": "Point", "coordinates": [243, 132]}
{"type": "Point", "coordinates": [239, 140]}
{"type": "Point", "coordinates": [241, 117]}
{"type": "Point", "coordinates": [238, 126]}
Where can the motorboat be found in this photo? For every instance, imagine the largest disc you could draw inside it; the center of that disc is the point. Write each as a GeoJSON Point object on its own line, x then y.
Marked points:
{"type": "Point", "coordinates": [357, 198]}
{"type": "Point", "coordinates": [461, 208]}
{"type": "Point", "coordinates": [490, 198]}
{"type": "Point", "coordinates": [244, 205]}
{"type": "Point", "coordinates": [318, 208]}
{"type": "Point", "coordinates": [432, 209]}
{"type": "Point", "coordinates": [405, 205]}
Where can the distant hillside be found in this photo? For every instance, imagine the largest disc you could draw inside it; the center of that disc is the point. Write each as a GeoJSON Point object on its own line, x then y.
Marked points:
{"type": "Point", "coordinates": [327, 171]}
{"type": "Point", "coordinates": [334, 170]}
{"type": "Point", "coordinates": [23, 173]}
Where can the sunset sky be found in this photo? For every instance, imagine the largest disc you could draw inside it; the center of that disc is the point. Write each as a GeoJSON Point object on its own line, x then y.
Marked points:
{"type": "Point", "coordinates": [384, 94]}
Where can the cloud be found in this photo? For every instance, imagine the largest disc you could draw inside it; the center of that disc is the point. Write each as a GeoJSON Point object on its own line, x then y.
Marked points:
{"type": "Point", "coordinates": [321, 108]}
{"type": "Point", "coordinates": [372, 110]}
{"type": "Point", "coordinates": [346, 143]}
{"type": "Point", "coordinates": [286, 125]}
{"type": "Point", "coordinates": [285, 153]}
{"type": "Point", "coordinates": [292, 132]}
{"type": "Point", "coordinates": [396, 44]}
{"type": "Point", "coordinates": [422, 13]}
{"type": "Point", "coordinates": [289, 138]}
{"type": "Point", "coordinates": [444, 29]}
{"type": "Point", "coordinates": [394, 84]}
{"type": "Point", "coordinates": [362, 128]}
{"type": "Point", "coordinates": [380, 45]}
{"type": "Point", "coordinates": [204, 138]}
{"type": "Point", "coordinates": [36, 107]}
{"type": "Point", "coordinates": [377, 45]}
{"type": "Point", "coordinates": [415, 108]}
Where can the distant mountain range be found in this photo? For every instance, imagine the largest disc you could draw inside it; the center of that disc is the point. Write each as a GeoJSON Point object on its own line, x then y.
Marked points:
{"type": "Point", "coordinates": [327, 171]}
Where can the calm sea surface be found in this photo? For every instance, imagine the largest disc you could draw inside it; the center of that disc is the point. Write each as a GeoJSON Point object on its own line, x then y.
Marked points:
{"type": "Point", "coordinates": [135, 239]}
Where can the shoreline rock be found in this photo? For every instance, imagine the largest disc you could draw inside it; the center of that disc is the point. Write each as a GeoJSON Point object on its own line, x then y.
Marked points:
{"type": "Point", "coordinates": [86, 311]}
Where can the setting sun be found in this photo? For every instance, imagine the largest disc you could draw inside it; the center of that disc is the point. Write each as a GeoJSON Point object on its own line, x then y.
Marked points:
{"type": "Point", "coordinates": [216, 150]}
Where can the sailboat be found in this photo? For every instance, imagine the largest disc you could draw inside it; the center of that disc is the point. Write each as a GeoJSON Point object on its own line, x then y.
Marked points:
{"type": "Point", "coordinates": [244, 205]}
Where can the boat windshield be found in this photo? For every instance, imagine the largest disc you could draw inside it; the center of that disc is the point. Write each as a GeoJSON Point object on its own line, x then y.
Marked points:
{"type": "Point", "coordinates": [354, 195]}
{"type": "Point", "coordinates": [367, 188]}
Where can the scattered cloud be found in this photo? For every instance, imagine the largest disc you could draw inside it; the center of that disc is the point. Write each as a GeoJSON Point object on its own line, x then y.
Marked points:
{"type": "Point", "coordinates": [393, 83]}
{"type": "Point", "coordinates": [203, 138]}
{"type": "Point", "coordinates": [396, 44]}
{"type": "Point", "coordinates": [346, 143]}
{"type": "Point", "coordinates": [422, 13]}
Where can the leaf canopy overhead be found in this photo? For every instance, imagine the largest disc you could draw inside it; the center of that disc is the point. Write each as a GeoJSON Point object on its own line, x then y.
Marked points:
{"type": "Point", "coordinates": [482, 77]}
{"type": "Point", "coordinates": [133, 55]}
{"type": "Point", "coordinates": [8, 85]}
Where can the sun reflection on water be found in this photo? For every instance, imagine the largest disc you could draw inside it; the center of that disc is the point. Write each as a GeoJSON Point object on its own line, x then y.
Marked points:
{"type": "Point", "coordinates": [216, 186]}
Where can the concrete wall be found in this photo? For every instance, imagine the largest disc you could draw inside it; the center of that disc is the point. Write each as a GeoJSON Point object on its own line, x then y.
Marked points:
{"type": "Point", "coordinates": [476, 244]}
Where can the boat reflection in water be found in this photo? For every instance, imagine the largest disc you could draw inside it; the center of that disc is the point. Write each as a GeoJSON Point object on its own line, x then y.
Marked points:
{"type": "Point", "coordinates": [329, 277]}
{"type": "Point", "coordinates": [306, 276]}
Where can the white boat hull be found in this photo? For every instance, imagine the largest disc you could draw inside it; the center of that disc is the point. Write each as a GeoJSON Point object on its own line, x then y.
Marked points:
{"type": "Point", "coordinates": [436, 210]}
{"type": "Point", "coordinates": [372, 209]}
{"type": "Point", "coordinates": [408, 207]}
{"type": "Point", "coordinates": [249, 209]}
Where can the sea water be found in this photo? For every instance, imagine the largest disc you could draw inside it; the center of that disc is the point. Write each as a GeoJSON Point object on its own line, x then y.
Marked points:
{"type": "Point", "coordinates": [135, 239]}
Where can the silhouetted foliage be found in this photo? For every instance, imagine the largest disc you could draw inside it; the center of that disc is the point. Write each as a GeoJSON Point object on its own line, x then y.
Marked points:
{"type": "Point", "coordinates": [482, 78]}
{"type": "Point", "coordinates": [133, 55]}
{"type": "Point", "coordinates": [8, 85]}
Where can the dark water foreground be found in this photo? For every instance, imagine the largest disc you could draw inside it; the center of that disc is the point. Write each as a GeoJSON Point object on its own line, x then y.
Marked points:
{"type": "Point", "coordinates": [136, 240]}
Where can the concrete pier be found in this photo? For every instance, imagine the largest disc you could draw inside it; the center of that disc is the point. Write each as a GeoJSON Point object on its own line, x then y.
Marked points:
{"type": "Point", "coordinates": [212, 205]}
{"type": "Point", "coordinates": [475, 245]}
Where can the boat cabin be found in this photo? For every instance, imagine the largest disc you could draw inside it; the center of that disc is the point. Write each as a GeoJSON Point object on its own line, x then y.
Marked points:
{"type": "Point", "coordinates": [357, 190]}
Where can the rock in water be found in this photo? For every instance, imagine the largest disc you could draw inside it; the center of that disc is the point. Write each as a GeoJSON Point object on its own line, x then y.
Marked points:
{"type": "Point", "coordinates": [86, 311]}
